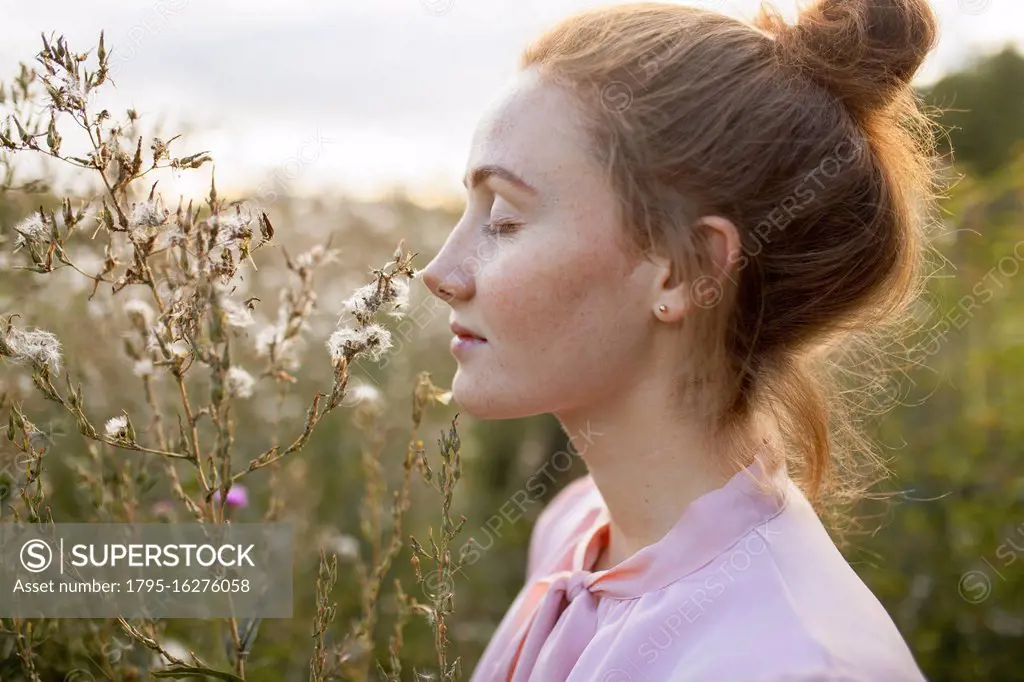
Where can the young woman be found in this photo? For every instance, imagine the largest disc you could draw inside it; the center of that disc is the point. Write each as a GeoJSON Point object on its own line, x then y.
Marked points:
{"type": "Point", "coordinates": [676, 223]}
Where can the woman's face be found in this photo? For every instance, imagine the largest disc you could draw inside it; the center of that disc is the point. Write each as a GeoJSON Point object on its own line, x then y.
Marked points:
{"type": "Point", "coordinates": [565, 311]}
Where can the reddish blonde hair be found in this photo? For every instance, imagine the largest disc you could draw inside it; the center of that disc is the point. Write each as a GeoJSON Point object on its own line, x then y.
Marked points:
{"type": "Point", "coordinates": [810, 140]}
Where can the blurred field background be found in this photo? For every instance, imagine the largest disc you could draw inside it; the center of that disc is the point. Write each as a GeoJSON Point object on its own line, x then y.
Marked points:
{"type": "Point", "coordinates": [944, 549]}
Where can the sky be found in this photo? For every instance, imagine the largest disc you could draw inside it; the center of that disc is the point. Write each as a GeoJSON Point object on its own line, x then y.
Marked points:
{"type": "Point", "coordinates": [352, 95]}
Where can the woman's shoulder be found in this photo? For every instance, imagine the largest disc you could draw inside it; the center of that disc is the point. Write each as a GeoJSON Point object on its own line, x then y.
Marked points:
{"type": "Point", "coordinates": [801, 610]}
{"type": "Point", "coordinates": [577, 491]}
{"type": "Point", "coordinates": [781, 651]}
{"type": "Point", "coordinates": [562, 520]}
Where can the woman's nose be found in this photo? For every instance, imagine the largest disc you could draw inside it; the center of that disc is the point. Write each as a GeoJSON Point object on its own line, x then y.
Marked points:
{"type": "Point", "coordinates": [445, 281]}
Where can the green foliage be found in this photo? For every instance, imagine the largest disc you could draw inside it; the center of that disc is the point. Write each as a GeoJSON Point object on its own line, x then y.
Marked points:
{"type": "Point", "coordinates": [984, 107]}
{"type": "Point", "coordinates": [947, 559]}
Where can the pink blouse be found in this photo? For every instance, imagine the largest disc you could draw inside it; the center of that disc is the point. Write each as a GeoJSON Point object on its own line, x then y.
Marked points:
{"type": "Point", "coordinates": [747, 586]}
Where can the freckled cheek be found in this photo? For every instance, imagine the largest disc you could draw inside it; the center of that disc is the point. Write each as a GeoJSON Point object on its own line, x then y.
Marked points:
{"type": "Point", "coordinates": [521, 298]}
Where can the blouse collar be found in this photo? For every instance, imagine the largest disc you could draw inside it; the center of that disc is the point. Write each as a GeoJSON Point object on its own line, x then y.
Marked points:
{"type": "Point", "coordinates": [708, 527]}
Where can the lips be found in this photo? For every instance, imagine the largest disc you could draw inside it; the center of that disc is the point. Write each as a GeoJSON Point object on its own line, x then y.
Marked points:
{"type": "Point", "coordinates": [465, 332]}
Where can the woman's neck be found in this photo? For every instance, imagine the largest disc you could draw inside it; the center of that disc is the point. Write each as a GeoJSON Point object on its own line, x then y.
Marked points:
{"type": "Point", "coordinates": [650, 464]}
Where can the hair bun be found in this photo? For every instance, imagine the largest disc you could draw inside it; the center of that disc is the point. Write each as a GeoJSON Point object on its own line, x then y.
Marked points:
{"type": "Point", "coordinates": [865, 51]}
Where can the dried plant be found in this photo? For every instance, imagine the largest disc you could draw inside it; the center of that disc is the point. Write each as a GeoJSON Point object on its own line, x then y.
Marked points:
{"type": "Point", "coordinates": [184, 341]}
{"type": "Point", "coordinates": [439, 584]}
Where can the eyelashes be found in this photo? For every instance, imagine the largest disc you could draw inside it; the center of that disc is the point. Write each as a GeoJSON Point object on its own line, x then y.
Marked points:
{"type": "Point", "coordinates": [496, 227]}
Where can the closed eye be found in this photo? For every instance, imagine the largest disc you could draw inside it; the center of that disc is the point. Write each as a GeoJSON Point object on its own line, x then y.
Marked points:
{"type": "Point", "coordinates": [499, 227]}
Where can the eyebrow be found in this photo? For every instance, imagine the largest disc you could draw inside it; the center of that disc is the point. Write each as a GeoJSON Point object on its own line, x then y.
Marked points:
{"type": "Point", "coordinates": [482, 173]}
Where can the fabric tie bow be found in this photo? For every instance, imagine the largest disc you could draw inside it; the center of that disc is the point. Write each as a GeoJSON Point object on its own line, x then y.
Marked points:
{"type": "Point", "coordinates": [547, 643]}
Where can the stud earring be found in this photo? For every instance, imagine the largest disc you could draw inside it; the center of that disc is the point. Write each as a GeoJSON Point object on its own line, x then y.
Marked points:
{"type": "Point", "coordinates": [663, 308]}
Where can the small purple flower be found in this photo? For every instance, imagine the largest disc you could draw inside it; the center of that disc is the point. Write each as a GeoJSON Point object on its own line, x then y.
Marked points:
{"type": "Point", "coordinates": [163, 509]}
{"type": "Point", "coordinates": [238, 496]}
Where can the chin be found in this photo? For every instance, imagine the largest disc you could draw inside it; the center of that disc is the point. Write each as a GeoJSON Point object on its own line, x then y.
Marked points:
{"type": "Point", "coordinates": [480, 400]}
{"type": "Point", "coordinates": [472, 401]}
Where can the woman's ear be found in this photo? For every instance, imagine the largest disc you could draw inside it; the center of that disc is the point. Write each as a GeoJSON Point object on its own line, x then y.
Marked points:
{"type": "Point", "coordinates": [721, 254]}
{"type": "Point", "coordinates": [722, 241]}
{"type": "Point", "coordinates": [720, 245]}
{"type": "Point", "coordinates": [671, 295]}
